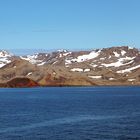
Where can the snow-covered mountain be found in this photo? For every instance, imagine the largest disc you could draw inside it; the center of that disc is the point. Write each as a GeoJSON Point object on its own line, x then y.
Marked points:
{"type": "Point", "coordinates": [108, 66]}
{"type": "Point", "coordinates": [5, 58]}
{"type": "Point", "coordinates": [46, 58]}
{"type": "Point", "coordinates": [113, 58]}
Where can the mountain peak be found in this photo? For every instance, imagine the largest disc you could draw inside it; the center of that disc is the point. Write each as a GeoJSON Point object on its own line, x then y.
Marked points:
{"type": "Point", "coordinates": [4, 53]}
{"type": "Point", "coordinates": [62, 50]}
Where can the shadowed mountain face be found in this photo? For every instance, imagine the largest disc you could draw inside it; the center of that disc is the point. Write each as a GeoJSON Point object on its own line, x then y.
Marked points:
{"type": "Point", "coordinates": [109, 66]}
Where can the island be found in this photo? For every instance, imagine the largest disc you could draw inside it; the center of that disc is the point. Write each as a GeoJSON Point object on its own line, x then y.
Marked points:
{"type": "Point", "coordinates": [100, 67]}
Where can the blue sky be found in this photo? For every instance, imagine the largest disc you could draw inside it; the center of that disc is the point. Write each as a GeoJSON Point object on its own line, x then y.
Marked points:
{"type": "Point", "coordinates": [69, 24]}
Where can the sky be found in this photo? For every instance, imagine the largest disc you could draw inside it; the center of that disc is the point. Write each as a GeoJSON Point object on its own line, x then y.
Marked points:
{"type": "Point", "coordinates": [69, 24]}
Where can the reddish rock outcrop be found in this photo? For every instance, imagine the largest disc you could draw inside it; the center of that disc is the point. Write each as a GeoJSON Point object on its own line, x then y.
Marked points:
{"type": "Point", "coordinates": [20, 82]}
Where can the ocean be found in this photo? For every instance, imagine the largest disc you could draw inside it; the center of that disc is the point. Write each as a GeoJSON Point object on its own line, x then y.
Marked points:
{"type": "Point", "coordinates": [70, 113]}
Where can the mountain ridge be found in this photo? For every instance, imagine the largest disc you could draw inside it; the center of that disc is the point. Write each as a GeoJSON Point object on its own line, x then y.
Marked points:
{"type": "Point", "coordinates": [107, 66]}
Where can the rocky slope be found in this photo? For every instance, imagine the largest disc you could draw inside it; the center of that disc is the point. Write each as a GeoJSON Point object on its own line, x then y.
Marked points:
{"type": "Point", "coordinates": [108, 66]}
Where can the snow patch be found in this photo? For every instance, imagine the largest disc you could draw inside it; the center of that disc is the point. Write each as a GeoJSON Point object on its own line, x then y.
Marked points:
{"type": "Point", "coordinates": [80, 70]}
{"type": "Point", "coordinates": [4, 58]}
{"type": "Point", "coordinates": [95, 77]}
{"type": "Point", "coordinates": [83, 58]}
{"type": "Point", "coordinates": [61, 50]}
{"type": "Point", "coordinates": [116, 54]}
{"type": "Point", "coordinates": [55, 62]}
{"type": "Point", "coordinates": [123, 52]}
{"type": "Point", "coordinates": [111, 78]}
{"type": "Point", "coordinates": [120, 62]}
{"type": "Point", "coordinates": [86, 70]}
{"type": "Point", "coordinates": [40, 64]}
{"type": "Point", "coordinates": [130, 48]}
{"type": "Point", "coordinates": [60, 55]}
{"type": "Point", "coordinates": [77, 70]}
{"type": "Point", "coordinates": [2, 65]}
{"type": "Point", "coordinates": [94, 65]}
{"type": "Point", "coordinates": [54, 73]}
{"type": "Point", "coordinates": [29, 73]}
{"type": "Point", "coordinates": [64, 54]}
{"type": "Point", "coordinates": [5, 54]}
{"type": "Point", "coordinates": [102, 58]}
{"type": "Point", "coordinates": [129, 69]}
{"type": "Point", "coordinates": [130, 80]}
{"type": "Point", "coordinates": [33, 59]}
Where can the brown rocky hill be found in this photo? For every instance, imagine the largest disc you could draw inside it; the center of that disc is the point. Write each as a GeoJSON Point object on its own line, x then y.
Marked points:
{"type": "Point", "coordinates": [108, 66]}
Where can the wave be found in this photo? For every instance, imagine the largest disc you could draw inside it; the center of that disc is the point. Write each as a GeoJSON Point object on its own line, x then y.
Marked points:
{"type": "Point", "coordinates": [67, 120]}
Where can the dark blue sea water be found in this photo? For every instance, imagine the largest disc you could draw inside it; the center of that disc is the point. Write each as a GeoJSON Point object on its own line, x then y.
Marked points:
{"type": "Point", "coordinates": [98, 113]}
